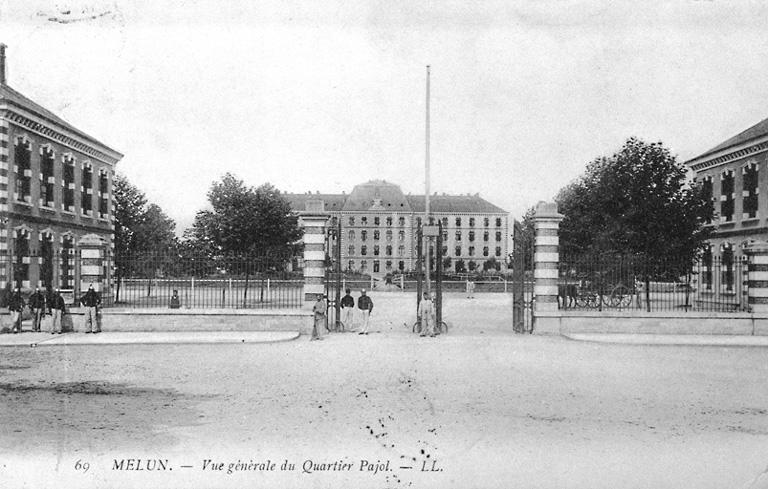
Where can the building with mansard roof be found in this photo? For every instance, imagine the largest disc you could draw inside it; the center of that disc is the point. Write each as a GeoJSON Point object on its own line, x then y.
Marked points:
{"type": "Point", "coordinates": [379, 227]}
{"type": "Point", "coordinates": [55, 188]}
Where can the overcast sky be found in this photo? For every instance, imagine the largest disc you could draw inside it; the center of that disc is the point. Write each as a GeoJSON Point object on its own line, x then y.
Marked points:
{"type": "Point", "coordinates": [325, 95]}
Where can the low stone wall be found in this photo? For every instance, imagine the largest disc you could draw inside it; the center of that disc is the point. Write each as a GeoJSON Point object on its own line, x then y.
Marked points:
{"type": "Point", "coordinates": [664, 322]}
{"type": "Point", "coordinates": [191, 320]}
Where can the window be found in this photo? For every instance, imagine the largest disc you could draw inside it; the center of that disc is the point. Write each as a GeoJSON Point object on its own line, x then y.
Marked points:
{"type": "Point", "coordinates": [351, 250]}
{"type": "Point", "coordinates": [22, 161]}
{"type": "Point", "coordinates": [375, 266]}
{"type": "Point", "coordinates": [376, 235]}
{"type": "Point", "coordinates": [364, 221]}
{"type": "Point", "coordinates": [458, 222]}
{"type": "Point", "coordinates": [401, 221]}
{"type": "Point", "coordinates": [486, 221]}
{"type": "Point", "coordinates": [363, 235]}
{"type": "Point", "coordinates": [498, 251]}
{"type": "Point", "coordinates": [351, 235]}
{"type": "Point", "coordinates": [375, 221]}
{"type": "Point", "coordinates": [457, 251]}
{"type": "Point", "coordinates": [46, 177]}
{"type": "Point", "coordinates": [351, 265]}
{"type": "Point", "coordinates": [431, 220]}
{"type": "Point", "coordinates": [498, 235]}
{"type": "Point", "coordinates": [471, 235]}
{"type": "Point", "coordinates": [363, 265]}
{"type": "Point", "coordinates": [352, 220]}
{"type": "Point", "coordinates": [389, 221]}
{"type": "Point", "coordinates": [458, 235]}
{"type": "Point", "coordinates": [401, 250]}
{"type": "Point", "coordinates": [389, 236]}
{"type": "Point", "coordinates": [86, 189]}
{"type": "Point", "coordinates": [707, 264]}
{"type": "Point", "coordinates": [46, 259]}
{"type": "Point", "coordinates": [376, 250]}
{"type": "Point", "coordinates": [401, 235]}
{"type": "Point", "coordinates": [21, 251]}
{"type": "Point", "coordinates": [389, 250]}
{"type": "Point", "coordinates": [401, 265]}
{"type": "Point", "coordinates": [445, 251]}
{"type": "Point", "coordinates": [726, 250]}
{"type": "Point", "coordinates": [498, 222]}
{"type": "Point", "coordinates": [104, 194]}
{"type": "Point", "coordinates": [67, 266]}
{"type": "Point", "coordinates": [707, 190]}
{"type": "Point", "coordinates": [749, 191]}
{"type": "Point", "coordinates": [485, 251]}
{"type": "Point", "coordinates": [445, 223]}
{"type": "Point", "coordinates": [418, 222]}
{"type": "Point", "coordinates": [68, 182]}
{"type": "Point", "coordinates": [471, 221]}
{"type": "Point", "coordinates": [726, 196]}
{"type": "Point", "coordinates": [471, 251]}
{"type": "Point", "coordinates": [363, 250]}
{"type": "Point", "coordinates": [389, 265]}
{"type": "Point", "coordinates": [485, 236]}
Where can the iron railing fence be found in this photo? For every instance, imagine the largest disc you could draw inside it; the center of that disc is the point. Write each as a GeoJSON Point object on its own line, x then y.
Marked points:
{"type": "Point", "coordinates": [627, 283]}
{"type": "Point", "coordinates": [205, 282]}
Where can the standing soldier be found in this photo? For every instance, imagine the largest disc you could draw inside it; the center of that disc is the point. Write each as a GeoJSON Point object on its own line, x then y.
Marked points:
{"type": "Point", "coordinates": [365, 304]}
{"type": "Point", "coordinates": [426, 313]}
{"type": "Point", "coordinates": [319, 309]}
{"type": "Point", "coordinates": [57, 306]}
{"type": "Point", "coordinates": [347, 308]}
{"type": "Point", "coordinates": [16, 305]}
{"type": "Point", "coordinates": [91, 300]}
{"type": "Point", "coordinates": [37, 306]}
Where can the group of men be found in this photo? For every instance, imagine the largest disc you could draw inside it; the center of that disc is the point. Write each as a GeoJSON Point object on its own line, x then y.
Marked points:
{"type": "Point", "coordinates": [52, 304]}
{"type": "Point", "coordinates": [364, 306]}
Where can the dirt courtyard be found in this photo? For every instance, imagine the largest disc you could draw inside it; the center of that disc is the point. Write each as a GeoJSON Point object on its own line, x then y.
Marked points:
{"type": "Point", "coordinates": [478, 408]}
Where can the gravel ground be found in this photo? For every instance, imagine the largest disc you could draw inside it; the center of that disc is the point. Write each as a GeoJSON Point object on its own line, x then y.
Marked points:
{"type": "Point", "coordinates": [486, 407]}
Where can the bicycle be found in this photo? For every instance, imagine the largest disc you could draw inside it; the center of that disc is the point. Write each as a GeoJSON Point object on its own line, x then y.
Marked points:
{"type": "Point", "coordinates": [440, 328]}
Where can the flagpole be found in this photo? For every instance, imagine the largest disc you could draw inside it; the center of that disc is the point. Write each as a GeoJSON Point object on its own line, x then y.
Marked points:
{"type": "Point", "coordinates": [426, 194]}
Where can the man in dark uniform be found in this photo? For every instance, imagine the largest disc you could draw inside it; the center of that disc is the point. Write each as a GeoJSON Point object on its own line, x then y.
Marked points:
{"type": "Point", "coordinates": [16, 305]}
{"type": "Point", "coordinates": [57, 306]}
{"type": "Point", "coordinates": [37, 306]}
{"type": "Point", "coordinates": [91, 300]}
{"type": "Point", "coordinates": [365, 304]}
{"type": "Point", "coordinates": [347, 308]}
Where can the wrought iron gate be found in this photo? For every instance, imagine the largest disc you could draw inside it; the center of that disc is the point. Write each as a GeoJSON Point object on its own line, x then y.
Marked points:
{"type": "Point", "coordinates": [333, 275]}
{"type": "Point", "coordinates": [522, 280]}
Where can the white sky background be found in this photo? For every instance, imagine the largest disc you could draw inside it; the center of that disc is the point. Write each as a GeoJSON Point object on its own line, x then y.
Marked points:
{"type": "Point", "coordinates": [325, 95]}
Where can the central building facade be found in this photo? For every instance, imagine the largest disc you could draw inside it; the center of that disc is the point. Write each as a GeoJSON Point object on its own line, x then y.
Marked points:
{"type": "Point", "coordinates": [380, 223]}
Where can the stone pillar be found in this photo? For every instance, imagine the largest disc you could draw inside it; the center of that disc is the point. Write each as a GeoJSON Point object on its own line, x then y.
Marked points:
{"type": "Point", "coordinates": [545, 263]}
{"type": "Point", "coordinates": [757, 281]}
{"type": "Point", "coordinates": [314, 220]}
{"type": "Point", "coordinates": [92, 270]}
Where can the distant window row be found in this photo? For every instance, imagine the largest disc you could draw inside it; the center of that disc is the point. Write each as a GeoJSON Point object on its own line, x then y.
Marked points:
{"type": "Point", "coordinates": [47, 181]}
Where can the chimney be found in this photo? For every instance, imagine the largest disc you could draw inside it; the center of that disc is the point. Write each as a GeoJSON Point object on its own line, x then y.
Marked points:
{"type": "Point", "coordinates": [2, 63]}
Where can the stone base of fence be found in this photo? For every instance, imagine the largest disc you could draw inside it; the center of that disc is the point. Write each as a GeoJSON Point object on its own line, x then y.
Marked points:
{"type": "Point", "coordinates": [191, 320]}
{"type": "Point", "coordinates": [662, 322]}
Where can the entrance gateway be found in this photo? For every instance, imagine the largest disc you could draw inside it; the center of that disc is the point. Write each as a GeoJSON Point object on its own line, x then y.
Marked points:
{"type": "Point", "coordinates": [522, 280]}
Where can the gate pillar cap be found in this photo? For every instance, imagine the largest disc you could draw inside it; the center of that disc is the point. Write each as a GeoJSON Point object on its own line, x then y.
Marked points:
{"type": "Point", "coordinates": [756, 247]}
{"type": "Point", "coordinates": [547, 210]}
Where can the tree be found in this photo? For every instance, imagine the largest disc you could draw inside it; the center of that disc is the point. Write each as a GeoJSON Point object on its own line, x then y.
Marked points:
{"type": "Point", "coordinates": [446, 263]}
{"type": "Point", "coordinates": [244, 220]}
{"type": "Point", "coordinates": [635, 202]}
{"type": "Point", "coordinates": [459, 264]}
{"type": "Point", "coordinates": [144, 234]}
{"type": "Point", "coordinates": [491, 264]}
{"type": "Point", "coordinates": [472, 265]}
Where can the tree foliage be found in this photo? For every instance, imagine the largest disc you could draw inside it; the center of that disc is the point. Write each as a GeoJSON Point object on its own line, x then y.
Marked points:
{"type": "Point", "coordinates": [140, 226]}
{"type": "Point", "coordinates": [243, 219]}
{"type": "Point", "coordinates": [634, 202]}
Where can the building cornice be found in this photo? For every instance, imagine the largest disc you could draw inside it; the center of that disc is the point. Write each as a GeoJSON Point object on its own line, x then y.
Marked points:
{"type": "Point", "coordinates": [727, 155]}
{"type": "Point", "coordinates": [43, 127]}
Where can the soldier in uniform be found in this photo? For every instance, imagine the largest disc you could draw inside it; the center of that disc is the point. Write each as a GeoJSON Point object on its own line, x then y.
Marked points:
{"type": "Point", "coordinates": [91, 300]}
{"type": "Point", "coordinates": [58, 307]}
{"type": "Point", "coordinates": [365, 304]}
{"type": "Point", "coordinates": [16, 305]}
{"type": "Point", "coordinates": [37, 306]}
{"type": "Point", "coordinates": [347, 308]}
